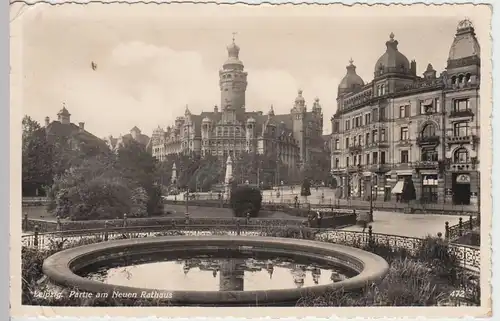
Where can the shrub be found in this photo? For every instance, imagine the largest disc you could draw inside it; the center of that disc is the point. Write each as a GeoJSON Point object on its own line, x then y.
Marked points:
{"type": "Point", "coordinates": [246, 199]}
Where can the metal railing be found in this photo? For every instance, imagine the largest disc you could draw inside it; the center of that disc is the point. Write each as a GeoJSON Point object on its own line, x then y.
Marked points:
{"type": "Point", "coordinates": [458, 230]}
{"type": "Point", "coordinates": [468, 256]}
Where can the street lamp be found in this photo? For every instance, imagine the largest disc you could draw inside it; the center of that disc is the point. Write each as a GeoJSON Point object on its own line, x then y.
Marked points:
{"type": "Point", "coordinates": [371, 196]}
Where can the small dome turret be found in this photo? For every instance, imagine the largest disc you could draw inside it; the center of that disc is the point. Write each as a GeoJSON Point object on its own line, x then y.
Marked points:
{"type": "Point", "coordinates": [351, 80]}
{"type": "Point", "coordinates": [392, 61]}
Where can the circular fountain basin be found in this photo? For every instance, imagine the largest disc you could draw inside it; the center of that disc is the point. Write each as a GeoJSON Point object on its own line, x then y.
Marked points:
{"type": "Point", "coordinates": [364, 268]}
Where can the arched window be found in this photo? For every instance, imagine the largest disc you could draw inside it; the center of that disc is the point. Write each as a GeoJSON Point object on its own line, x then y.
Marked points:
{"type": "Point", "coordinates": [454, 80]}
{"type": "Point", "coordinates": [461, 78]}
{"type": "Point", "coordinates": [467, 78]}
{"type": "Point", "coordinates": [461, 155]}
{"type": "Point", "coordinates": [429, 130]}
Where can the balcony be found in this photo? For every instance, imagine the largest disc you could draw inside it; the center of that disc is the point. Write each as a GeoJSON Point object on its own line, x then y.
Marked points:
{"type": "Point", "coordinates": [459, 167]}
{"type": "Point", "coordinates": [379, 168]}
{"type": "Point", "coordinates": [354, 168]}
{"type": "Point", "coordinates": [461, 113]}
{"type": "Point", "coordinates": [427, 165]}
{"type": "Point", "coordinates": [403, 166]}
{"type": "Point", "coordinates": [355, 149]}
{"type": "Point", "coordinates": [404, 143]}
{"type": "Point", "coordinates": [379, 144]}
{"type": "Point", "coordinates": [428, 140]}
{"type": "Point", "coordinates": [469, 139]}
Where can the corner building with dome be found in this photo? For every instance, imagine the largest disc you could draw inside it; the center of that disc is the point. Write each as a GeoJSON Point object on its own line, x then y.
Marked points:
{"type": "Point", "coordinates": [402, 125]}
{"type": "Point", "coordinates": [296, 138]}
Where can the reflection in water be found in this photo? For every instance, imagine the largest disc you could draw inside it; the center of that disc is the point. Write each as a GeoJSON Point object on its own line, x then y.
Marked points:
{"type": "Point", "coordinates": [219, 274]}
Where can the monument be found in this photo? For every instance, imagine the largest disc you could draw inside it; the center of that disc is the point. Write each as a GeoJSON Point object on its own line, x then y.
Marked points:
{"type": "Point", "coordinates": [229, 176]}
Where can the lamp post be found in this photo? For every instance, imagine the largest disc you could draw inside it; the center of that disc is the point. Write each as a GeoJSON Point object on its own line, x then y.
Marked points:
{"type": "Point", "coordinates": [371, 196]}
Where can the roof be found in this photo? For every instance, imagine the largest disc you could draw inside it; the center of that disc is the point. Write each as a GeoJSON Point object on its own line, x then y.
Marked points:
{"type": "Point", "coordinates": [392, 60]}
{"type": "Point", "coordinates": [58, 129]}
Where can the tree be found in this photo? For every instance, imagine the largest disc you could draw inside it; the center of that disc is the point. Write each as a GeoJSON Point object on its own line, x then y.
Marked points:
{"type": "Point", "coordinates": [408, 193]}
{"type": "Point", "coordinates": [93, 190]}
{"type": "Point", "coordinates": [245, 199]}
{"type": "Point", "coordinates": [137, 165]}
{"type": "Point", "coordinates": [37, 158]}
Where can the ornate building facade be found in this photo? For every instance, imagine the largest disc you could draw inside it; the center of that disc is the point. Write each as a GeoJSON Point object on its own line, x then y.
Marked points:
{"type": "Point", "coordinates": [295, 138]}
{"type": "Point", "coordinates": [401, 125]}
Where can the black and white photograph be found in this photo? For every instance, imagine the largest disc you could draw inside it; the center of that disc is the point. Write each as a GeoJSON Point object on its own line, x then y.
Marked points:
{"type": "Point", "coordinates": [204, 155]}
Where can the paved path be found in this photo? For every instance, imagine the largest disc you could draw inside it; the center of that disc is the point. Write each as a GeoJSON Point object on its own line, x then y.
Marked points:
{"type": "Point", "coordinates": [413, 225]}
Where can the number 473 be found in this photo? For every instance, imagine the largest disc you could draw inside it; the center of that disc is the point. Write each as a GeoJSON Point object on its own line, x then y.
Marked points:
{"type": "Point", "coordinates": [457, 294]}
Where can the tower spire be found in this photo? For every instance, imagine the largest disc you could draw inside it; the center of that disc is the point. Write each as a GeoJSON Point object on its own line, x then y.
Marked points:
{"type": "Point", "coordinates": [234, 34]}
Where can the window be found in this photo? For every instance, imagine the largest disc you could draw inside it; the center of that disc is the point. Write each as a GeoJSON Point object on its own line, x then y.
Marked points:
{"type": "Point", "coordinates": [359, 159]}
{"type": "Point", "coordinates": [367, 159]}
{"type": "Point", "coordinates": [404, 111]}
{"type": "Point", "coordinates": [375, 115]}
{"type": "Point", "coordinates": [336, 163]}
{"type": "Point", "coordinates": [337, 144]}
{"type": "Point", "coordinates": [461, 129]}
{"type": "Point", "coordinates": [354, 122]}
{"type": "Point", "coordinates": [461, 105]}
{"type": "Point", "coordinates": [368, 119]}
{"type": "Point", "coordinates": [429, 130]}
{"type": "Point", "coordinates": [404, 133]}
{"type": "Point", "coordinates": [382, 135]}
{"type": "Point", "coordinates": [461, 155]}
{"type": "Point", "coordinates": [367, 138]}
{"type": "Point", "coordinates": [382, 114]}
{"type": "Point", "coordinates": [347, 161]}
{"type": "Point", "coordinates": [360, 140]}
{"type": "Point", "coordinates": [404, 157]}
{"type": "Point", "coordinates": [346, 142]}
{"type": "Point", "coordinates": [357, 121]}
{"type": "Point", "coordinates": [347, 125]}
{"type": "Point", "coordinates": [336, 127]}
{"type": "Point", "coordinates": [374, 157]}
{"type": "Point", "coordinates": [355, 141]}
{"type": "Point", "coordinates": [438, 105]}
{"type": "Point", "coordinates": [374, 136]}
{"type": "Point", "coordinates": [382, 157]}
{"type": "Point", "coordinates": [429, 155]}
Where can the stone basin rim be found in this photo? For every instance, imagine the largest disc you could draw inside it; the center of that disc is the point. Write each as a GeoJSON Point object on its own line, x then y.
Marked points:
{"type": "Point", "coordinates": [57, 267]}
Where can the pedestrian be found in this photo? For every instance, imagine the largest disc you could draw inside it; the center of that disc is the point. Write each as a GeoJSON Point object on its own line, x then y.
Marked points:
{"type": "Point", "coordinates": [319, 218]}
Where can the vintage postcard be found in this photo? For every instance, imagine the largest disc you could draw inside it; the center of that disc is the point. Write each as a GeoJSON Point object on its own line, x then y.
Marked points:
{"type": "Point", "coordinates": [245, 160]}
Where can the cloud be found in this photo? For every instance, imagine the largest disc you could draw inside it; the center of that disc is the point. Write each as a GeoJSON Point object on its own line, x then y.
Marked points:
{"type": "Point", "coordinates": [144, 85]}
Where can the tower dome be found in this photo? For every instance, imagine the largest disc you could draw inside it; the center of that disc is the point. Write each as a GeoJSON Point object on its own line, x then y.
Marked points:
{"type": "Point", "coordinates": [233, 61]}
{"type": "Point", "coordinates": [351, 80]}
{"type": "Point", "coordinates": [465, 43]}
{"type": "Point", "coordinates": [392, 61]}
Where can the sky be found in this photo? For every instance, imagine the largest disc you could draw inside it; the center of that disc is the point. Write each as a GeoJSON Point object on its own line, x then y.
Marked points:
{"type": "Point", "coordinates": [153, 60]}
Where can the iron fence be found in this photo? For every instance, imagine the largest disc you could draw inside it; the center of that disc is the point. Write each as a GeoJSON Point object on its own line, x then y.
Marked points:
{"type": "Point", "coordinates": [458, 230]}
{"type": "Point", "coordinates": [468, 256]}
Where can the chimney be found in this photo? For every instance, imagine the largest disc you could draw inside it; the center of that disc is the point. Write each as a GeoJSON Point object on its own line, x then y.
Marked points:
{"type": "Point", "coordinates": [47, 121]}
{"type": "Point", "coordinates": [82, 126]}
{"type": "Point", "coordinates": [216, 109]}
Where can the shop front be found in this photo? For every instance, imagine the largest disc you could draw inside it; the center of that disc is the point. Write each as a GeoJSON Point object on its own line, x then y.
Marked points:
{"type": "Point", "coordinates": [429, 191]}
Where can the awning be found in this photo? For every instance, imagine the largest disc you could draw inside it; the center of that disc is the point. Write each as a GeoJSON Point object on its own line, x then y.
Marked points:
{"type": "Point", "coordinates": [406, 172]}
{"type": "Point", "coordinates": [428, 102]}
{"type": "Point", "coordinates": [367, 173]}
{"type": "Point", "coordinates": [398, 188]}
